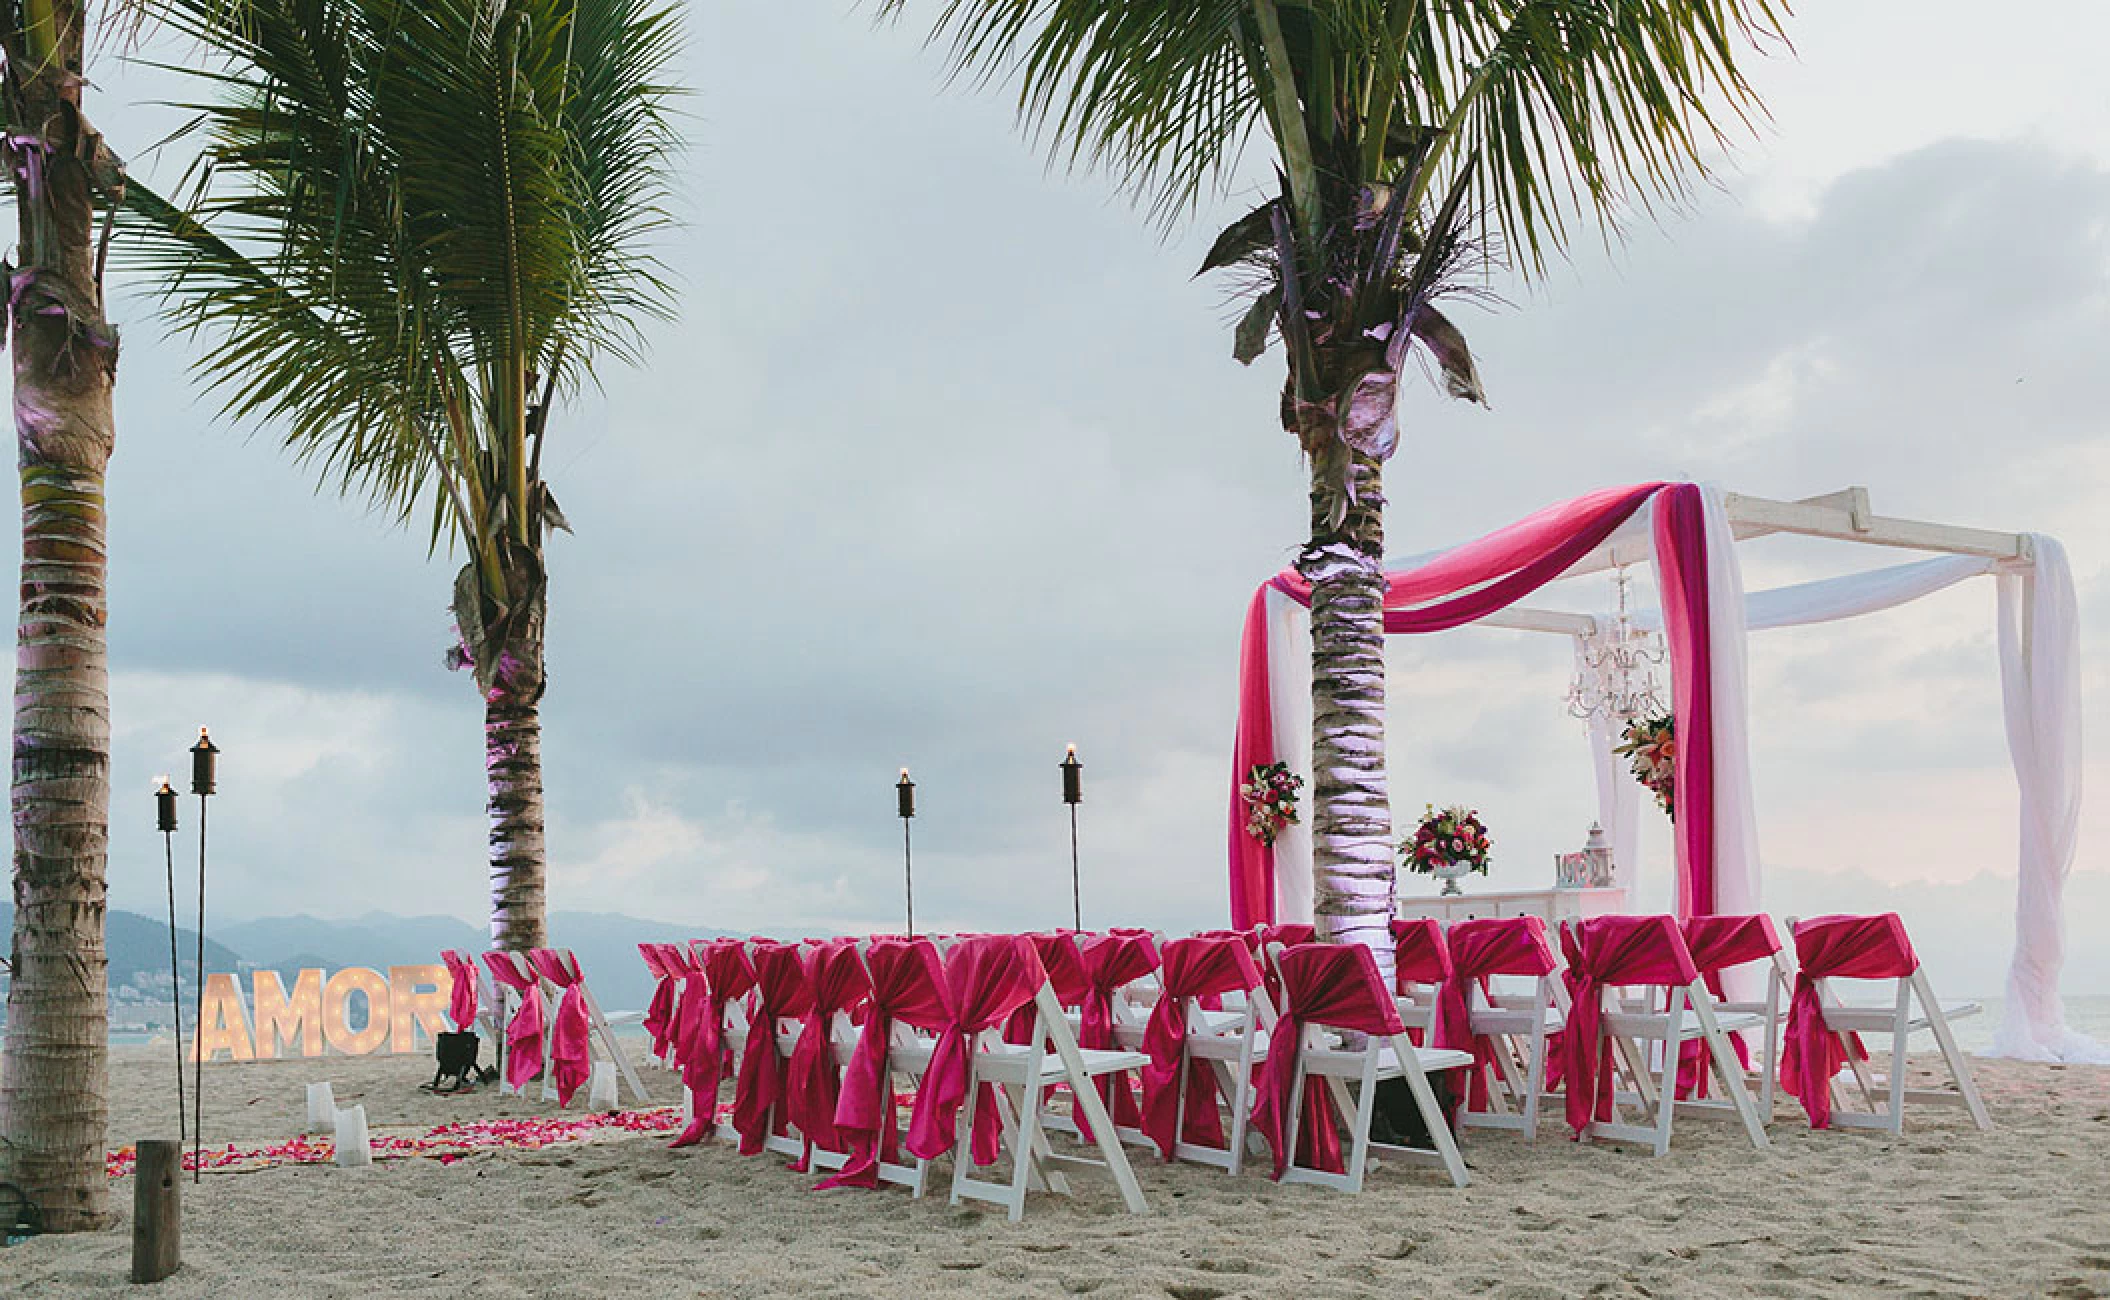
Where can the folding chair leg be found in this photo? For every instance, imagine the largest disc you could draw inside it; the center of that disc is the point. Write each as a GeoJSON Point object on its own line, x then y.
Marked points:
{"type": "Point", "coordinates": [1898, 1035]}
{"type": "Point", "coordinates": [1431, 1114]}
{"type": "Point", "coordinates": [1365, 1109]}
{"type": "Point", "coordinates": [1721, 1053]}
{"type": "Point", "coordinates": [1959, 1070]}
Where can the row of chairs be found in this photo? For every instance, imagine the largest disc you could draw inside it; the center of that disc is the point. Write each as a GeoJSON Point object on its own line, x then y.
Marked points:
{"type": "Point", "coordinates": [1193, 1020]}
{"type": "Point", "coordinates": [1186, 1045]}
{"type": "Point", "coordinates": [1658, 1023]}
{"type": "Point", "coordinates": [510, 999]}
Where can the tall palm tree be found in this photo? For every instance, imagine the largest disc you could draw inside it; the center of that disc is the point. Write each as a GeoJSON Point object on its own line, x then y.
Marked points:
{"type": "Point", "coordinates": [419, 225]}
{"type": "Point", "coordinates": [1407, 135]}
{"type": "Point", "coordinates": [53, 1106]}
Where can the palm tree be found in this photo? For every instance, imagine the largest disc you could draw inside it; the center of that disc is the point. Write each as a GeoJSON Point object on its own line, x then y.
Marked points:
{"type": "Point", "coordinates": [53, 1107]}
{"type": "Point", "coordinates": [419, 226]}
{"type": "Point", "coordinates": [1407, 135]}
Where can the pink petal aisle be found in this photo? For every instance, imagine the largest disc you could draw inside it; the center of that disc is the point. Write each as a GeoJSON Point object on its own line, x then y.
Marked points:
{"type": "Point", "coordinates": [447, 1143]}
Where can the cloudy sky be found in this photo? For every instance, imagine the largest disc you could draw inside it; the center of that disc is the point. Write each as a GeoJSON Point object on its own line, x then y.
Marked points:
{"type": "Point", "coordinates": [945, 464]}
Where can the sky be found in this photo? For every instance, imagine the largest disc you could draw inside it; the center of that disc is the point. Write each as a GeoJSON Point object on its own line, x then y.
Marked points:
{"type": "Point", "coordinates": [944, 463]}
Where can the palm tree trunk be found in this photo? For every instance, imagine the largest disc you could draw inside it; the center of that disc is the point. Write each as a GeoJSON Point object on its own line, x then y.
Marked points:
{"type": "Point", "coordinates": [519, 865]}
{"type": "Point", "coordinates": [54, 1105]}
{"type": "Point", "coordinates": [1352, 816]}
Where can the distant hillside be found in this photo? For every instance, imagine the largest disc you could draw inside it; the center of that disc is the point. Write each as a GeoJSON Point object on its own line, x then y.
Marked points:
{"type": "Point", "coordinates": [139, 950]}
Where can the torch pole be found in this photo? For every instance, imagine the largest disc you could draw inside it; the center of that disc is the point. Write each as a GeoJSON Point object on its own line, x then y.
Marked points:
{"type": "Point", "coordinates": [168, 844]}
{"type": "Point", "coordinates": [908, 871]}
{"type": "Point", "coordinates": [197, 1128]}
{"type": "Point", "coordinates": [1076, 894]}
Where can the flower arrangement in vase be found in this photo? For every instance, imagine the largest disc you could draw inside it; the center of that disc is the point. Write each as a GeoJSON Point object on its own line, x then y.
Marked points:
{"type": "Point", "coordinates": [1448, 844]}
{"type": "Point", "coordinates": [1651, 746]}
{"type": "Point", "coordinates": [1270, 794]}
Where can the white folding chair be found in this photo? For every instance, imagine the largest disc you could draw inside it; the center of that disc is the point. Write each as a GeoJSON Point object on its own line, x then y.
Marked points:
{"type": "Point", "coordinates": [1621, 956]}
{"type": "Point", "coordinates": [1021, 1072]}
{"type": "Point", "coordinates": [1519, 1025]}
{"type": "Point", "coordinates": [1723, 943]}
{"type": "Point", "coordinates": [1913, 1007]}
{"type": "Point", "coordinates": [1342, 1055]}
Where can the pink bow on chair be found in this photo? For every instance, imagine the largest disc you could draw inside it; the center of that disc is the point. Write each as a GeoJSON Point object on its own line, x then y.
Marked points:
{"type": "Point", "coordinates": [1110, 961]}
{"type": "Point", "coordinates": [663, 1017]}
{"type": "Point", "coordinates": [1328, 984]}
{"type": "Point", "coordinates": [1610, 950]}
{"type": "Point", "coordinates": [1829, 947]}
{"type": "Point", "coordinates": [780, 993]}
{"type": "Point", "coordinates": [1716, 944]}
{"type": "Point", "coordinates": [1206, 966]}
{"type": "Point", "coordinates": [461, 996]}
{"type": "Point", "coordinates": [837, 982]}
{"type": "Point", "coordinates": [987, 979]}
{"type": "Point", "coordinates": [1480, 950]}
{"type": "Point", "coordinates": [907, 985]}
{"type": "Point", "coordinates": [524, 1032]}
{"type": "Point", "coordinates": [723, 978]}
{"type": "Point", "coordinates": [571, 1059]}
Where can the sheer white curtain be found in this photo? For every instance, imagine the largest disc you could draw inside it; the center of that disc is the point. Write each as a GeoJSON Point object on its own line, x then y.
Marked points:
{"type": "Point", "coordinates": [2040, 678]}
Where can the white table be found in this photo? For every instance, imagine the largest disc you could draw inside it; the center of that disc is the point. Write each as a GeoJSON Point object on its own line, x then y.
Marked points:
{"type": "Point", "coordinates": [1551, 905]}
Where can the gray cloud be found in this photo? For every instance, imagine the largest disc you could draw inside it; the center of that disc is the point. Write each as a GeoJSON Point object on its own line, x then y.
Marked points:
{"type": "Point", "coordinates": [945, 463]}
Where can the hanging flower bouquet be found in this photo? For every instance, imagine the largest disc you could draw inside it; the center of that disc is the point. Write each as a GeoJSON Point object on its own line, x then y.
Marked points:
{"type": "Point", "coordinates": [1448, 838]}
{"type": "Point", "coordinates": [1270, 794]}
{"type": "Point", "coordinates": [1652, 745]}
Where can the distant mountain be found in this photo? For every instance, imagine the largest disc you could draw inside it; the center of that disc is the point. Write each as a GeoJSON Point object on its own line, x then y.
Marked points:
{"type": "Point", "coordinates": [139, 950]}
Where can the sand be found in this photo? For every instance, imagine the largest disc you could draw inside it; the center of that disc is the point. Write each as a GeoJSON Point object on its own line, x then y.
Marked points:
{"type": "Point", "coordinates": [2022, 1211]}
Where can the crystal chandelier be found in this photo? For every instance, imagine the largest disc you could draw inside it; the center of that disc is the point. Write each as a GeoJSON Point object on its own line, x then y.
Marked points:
{"type": "Point", "coordinates": [1615, 672]}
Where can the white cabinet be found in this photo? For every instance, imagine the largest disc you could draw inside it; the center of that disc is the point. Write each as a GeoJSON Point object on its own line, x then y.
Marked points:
{"type": "Point", "coordinates": [1551, 905]}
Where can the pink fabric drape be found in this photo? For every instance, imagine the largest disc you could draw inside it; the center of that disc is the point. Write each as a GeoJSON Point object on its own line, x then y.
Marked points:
{"type": "Point", "coordinates": [1110, 961]}
{"type": "Point", "coordinates": [781, 993]}
{"type": "Point", "coordinates": [1205, 966]}
{"type": "Point", "coordinates": [1332, 985]}
{"type": "Point", "coordinates": [1681, 549]}
{"type": "Point", "coordinates": [663, 1015]}
{"type": "Point", "coordinates": [1064, 963]}
{"type": "Point", "coordinates": [1834, 947]}
{"type": "Point", "coordinates": [724, 977]}
{"type": "Point", "coordinates": [461, 994]}
{"type": "Point", "coordinates": [1480, 950]}
{"type": "Point", "coordinates": [1717, 943]}
{"type": "Point", "coordinates": [837, 980]}
{"type": "Point", "coordinates": [1478, 579]}
{"type": "Point", "coordinates": [907, 986]}
{"type": "Point", "coordinates": [571, 1058]}
{"type": "Point", "coordinates": [986, 978]}
{"type": "Point", "coordinates": [1610, 950]}
{"type": "Point", "coordinates": [524, 1031]}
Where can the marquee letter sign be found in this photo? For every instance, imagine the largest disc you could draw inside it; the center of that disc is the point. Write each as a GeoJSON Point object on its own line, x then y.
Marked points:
{"type": "Point", "coordinates": [317, 1016]}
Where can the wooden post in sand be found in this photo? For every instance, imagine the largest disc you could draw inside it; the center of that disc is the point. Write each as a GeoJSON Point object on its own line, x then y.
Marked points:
{"type": "Point", "coordinates": [157, 1210]}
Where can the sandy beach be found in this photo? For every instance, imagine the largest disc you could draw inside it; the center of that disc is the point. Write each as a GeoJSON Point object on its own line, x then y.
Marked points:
{"type": "Point", "coordinates": [2023, 1211]}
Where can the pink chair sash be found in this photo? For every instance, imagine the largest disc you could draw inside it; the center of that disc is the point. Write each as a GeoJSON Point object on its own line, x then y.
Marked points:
{"type": "Point", "coordinates": [524, 1031]}
{"type": "Point", "coordinates": [1717, 943]}
{"type": "Point", "coordinates": [571, 1058]}
{"type": "Point", "coordinates": [1060, 958]}
{"type": "Point", "coordinates": [1290, 934]}
{"type": "Point", "coordinates": [1328, 984]}
{"type": "Point", "coordinates": [461, 996]}
{"type": "Point", "coordinates": [724, 977]}
{"type": "Point", "coordinates": [837, 980]}
{"type": "Point", "coordinates": [1610, 950]}
{"type": "Point", "coordinates": [1206, 966]}
{"type": "Point", "coordinates": [907, 985]}
{"type": "Point", "coordinates": [1834, 947]}
{"type": "Point", "coordinates": [781, 992]}
{"type": "Point", "coordinates": [1110, 961]}
{"type": "Point", "coordinates": [987, 979]}
{"type": "Point", "coordinates": [662, 1017]}
{"type": "Point", "coordinates": [1480, 950]}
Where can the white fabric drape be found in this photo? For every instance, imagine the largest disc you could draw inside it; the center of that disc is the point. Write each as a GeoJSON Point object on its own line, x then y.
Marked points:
{"type": "Point", "coordinates": [1736, 861]}
{"type": "Point", "coordinates": [2040, 678]}
{"type": "Point", "coordinates": [1849, 596]}
{"type": "Point", "coordinates": [1289, 690]}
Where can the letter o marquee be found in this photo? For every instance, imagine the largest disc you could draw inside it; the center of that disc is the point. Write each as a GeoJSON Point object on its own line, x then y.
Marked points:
{"type": "Point", "coordinates": [336, 1008]}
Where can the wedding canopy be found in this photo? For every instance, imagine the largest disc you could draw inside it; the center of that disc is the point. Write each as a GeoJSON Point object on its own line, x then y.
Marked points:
{"type": "Point", "coordinates": [1689, 532]}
